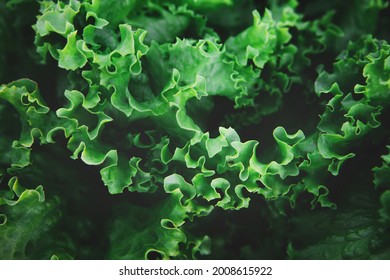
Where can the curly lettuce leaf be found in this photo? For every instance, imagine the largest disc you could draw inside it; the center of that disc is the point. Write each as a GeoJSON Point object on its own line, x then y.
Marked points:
{"type": "Point", "coordinates": [354, 232]}
{"type": "Point", "coordinates": [25, 221]}
{"type": "Point", "coordinates": [127, 112]}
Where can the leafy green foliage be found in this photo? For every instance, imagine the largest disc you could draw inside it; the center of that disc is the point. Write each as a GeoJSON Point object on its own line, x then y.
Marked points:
{"type": "Point", "coordinates": [177, 122]}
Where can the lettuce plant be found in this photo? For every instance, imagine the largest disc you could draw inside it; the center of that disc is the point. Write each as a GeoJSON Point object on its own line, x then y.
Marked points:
{"type": "Point", "coordinates": [214, 129]}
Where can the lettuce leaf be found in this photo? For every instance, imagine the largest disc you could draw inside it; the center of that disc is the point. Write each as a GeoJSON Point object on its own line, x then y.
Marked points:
{"type": "Point", "coordinates": [179, 119]}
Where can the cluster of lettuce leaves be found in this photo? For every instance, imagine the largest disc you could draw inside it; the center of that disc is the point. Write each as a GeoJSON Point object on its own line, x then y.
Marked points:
{"type": "Point", "coordinates": [182, 129]}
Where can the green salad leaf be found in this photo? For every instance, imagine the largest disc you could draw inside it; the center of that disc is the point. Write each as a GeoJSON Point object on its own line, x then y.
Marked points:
{"type": "Point", "coordinates": [194, 129]}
